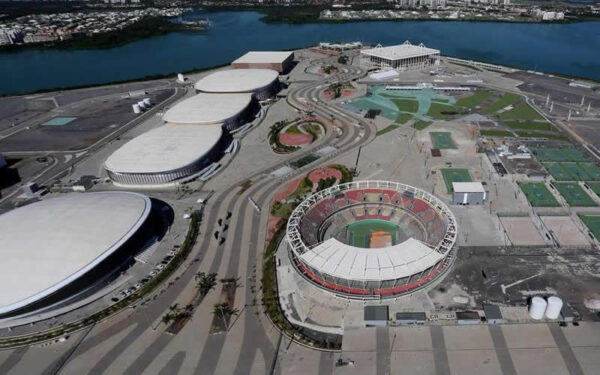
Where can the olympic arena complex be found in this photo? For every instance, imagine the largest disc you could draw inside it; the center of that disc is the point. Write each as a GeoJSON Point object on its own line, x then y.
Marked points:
{"type": "Point", "coordinates": [372, 239]}
{"type": "Point", "coordinates": [61, 250]}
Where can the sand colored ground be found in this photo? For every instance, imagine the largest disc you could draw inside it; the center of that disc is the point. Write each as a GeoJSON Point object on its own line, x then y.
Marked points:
{"type": "Point", "coordinates": [521, 231]}
{"type": "Point", "coordinates": [565, 231]}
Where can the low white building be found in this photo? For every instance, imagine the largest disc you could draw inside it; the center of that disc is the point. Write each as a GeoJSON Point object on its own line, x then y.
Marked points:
{"type": "Point", "coordinates": [402, 57]}
{"type": "Point", "coordinates": [467, 193]}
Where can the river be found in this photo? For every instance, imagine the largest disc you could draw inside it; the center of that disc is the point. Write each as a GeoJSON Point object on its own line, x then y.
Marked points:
{"type": "Point", "coordinates": [571, 48]}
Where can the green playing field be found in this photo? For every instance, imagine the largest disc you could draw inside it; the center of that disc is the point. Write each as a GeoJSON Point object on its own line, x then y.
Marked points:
{"type": "Point", "coordinates": [359, 232]}
{"type": "Point", "coordinates": [455, 175]}
{"type": "Point", "coordinates": [442, 140]}
{"type": "Point", "coordinates": [593, 224]}
{"type": "Point", "coordinates": [574, 194]}
{"type": "Point", "coordinates": [538, 194]}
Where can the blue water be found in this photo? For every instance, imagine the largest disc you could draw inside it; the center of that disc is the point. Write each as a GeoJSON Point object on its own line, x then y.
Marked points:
{"type": "Point", "coordinates": [563, 48]}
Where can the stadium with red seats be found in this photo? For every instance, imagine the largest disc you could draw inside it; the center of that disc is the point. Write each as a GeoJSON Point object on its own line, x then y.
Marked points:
{"type": "Point", "coordinates": [372, 239]}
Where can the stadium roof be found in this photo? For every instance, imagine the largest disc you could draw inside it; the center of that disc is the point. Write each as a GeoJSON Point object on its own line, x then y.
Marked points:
{"type": "Point", "coordinates": [208, 108]}
{"type": "Point", "coordinates": [264, 57]}
{"type": "Point", "coordinates": [400, 51]}
{"type": "Point", "coordinates": [49, 244]}
{"type": "Point", "coordinates": [166, 148]}
{"type": "Point", "coordinates": [468, 187]}
{"type": "Point", "coordinates": [344, 261]}
{"type": "Point", "coordinates": [237, 80]}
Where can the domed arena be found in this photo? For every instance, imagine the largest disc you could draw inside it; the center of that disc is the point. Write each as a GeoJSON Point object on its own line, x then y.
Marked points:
{"type": "Point", "coordinates": [372, 239]}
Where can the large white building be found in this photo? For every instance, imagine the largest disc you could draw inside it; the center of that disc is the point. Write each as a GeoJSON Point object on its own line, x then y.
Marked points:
{"type": "Point", "coordinates": [57, 248]}
{"type": "Point", "coordinates": [402, 57]}
{"type": "Point", "coordinates": [262, 83]}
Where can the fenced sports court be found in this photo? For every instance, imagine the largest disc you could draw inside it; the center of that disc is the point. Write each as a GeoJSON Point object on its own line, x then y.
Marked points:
{"type": "Point", "coordinates": [592, 222]}
{"type": "Point", "coordinates": [442, 140]}
{"type": "Point", "coordinates": [544, 154]}
{"type": "Point", "coordinates": [573, 171]}
{"type": "Point", "coordinates": [538, 194]}
{"type": "Point", "coordinates": [574, 194]}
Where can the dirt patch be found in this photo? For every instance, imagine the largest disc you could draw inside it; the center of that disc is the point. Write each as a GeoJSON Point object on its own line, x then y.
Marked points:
{"type": "Point", "coordinates": [322, 173]}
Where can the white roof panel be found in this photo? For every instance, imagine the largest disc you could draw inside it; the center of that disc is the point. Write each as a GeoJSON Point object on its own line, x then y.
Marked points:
{"type": "Point", "coordinates": [49, 244]}
{"type": "Point", "coordinates": [468, 187]}
{"type": "Point", "coordinates": [407, 258]}
{"type": "Point", "coordinates": [203, 109]}
{"type": "Point", "coordinates": [400, 51]}
{"type": "Point", "coordinates": [166, 148]}
{"type": "Point", "coordinates": [264, 57]}
{"type": "Point", "coordinates": [237, 81]}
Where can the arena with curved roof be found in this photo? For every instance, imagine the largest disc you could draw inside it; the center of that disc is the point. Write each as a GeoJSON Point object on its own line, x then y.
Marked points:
{"type": "Point", "coordinates": [165, 154]}
{"type": "Point", "coordinates": [262, 83]}
{"type": "Point", "coordinates": [57, 247]}
{"type": "Point", "coordinates": [372, 239]}
{"type": "Point", "coordinates": [227, 110]}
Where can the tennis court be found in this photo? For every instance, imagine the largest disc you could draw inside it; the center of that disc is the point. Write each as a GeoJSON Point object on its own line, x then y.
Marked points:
{"type": "Point", "coordinates": [538, 194]}
{"type": "Point", "coordinates": [359, 233]}
{"type": "Point", "coordinates": [592, 222]}
{"type": "Point", "coordinates": [573, 171]}
{"type": "Point", "coordinates": [455, 175]}
{"type": "Point", "coordinates": [574, 195]}
{"type": "Point", "coordinates": [442, 140]}
{"type": "Point", "coordinates": [592, 171]}
{"type": "Point", "coordinates": [595, 186]}
{"type": "Point", "coordinates": [59, 121]}
{"type": "Point", "coordinates": [558, 154]}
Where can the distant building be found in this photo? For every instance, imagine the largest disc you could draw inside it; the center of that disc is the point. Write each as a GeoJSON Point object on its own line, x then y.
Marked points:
{"type": "Point", "coordinates": [493, 314]}
{"type": "Point", "coordinates": [468, 193]}
{"type": "Point", "coordinates": [402, 57]}
{"type": "Point", "coordinates": [410, 318]}
{"type": "Point", "coordinates": [467, 317]}
{"type": "Point", "coordinates": [280, 61]}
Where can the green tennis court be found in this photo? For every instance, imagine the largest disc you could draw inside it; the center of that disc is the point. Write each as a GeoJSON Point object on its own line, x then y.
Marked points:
{"type": "Point", "coordinates": [557, 172]}
{"type": "Point", "coordinates": [359, 233]}
{"type": "Point", "coordinates": [574, 194]}
{"type": "Point", "coordinates": [595, 186]}
{"type": "Point", "coordinates": [538, 194]}
{"type": "Point", "coordinates": [558, 154]}
{"type": "Point", "coordinates": [59, 121]}
{"type": "Point", "coordinates": [455, 175]}
{"type": "Point", "coordinates": [442, 140]}
{"type": "Point", "coordinates": [592, 171]}
{"type": "Point", "coordinates": [592, 222]}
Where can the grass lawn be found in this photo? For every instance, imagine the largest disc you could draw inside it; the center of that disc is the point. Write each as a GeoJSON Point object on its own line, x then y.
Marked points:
{"type": "Point", "coordinates": [521, 111]}
{"type": "Point", "coordinates": [420, 124]}
{"type": "Point", "coordinates": [530, 125]}
{"type": "Point", "coordinates": [403, 118]}
{"type": "Point", "coordinates": [574, 195]}
{"type": "Point", "coordinates": [529, 134]}
{"type": "Point", "coordinates": [496, 133]}
{"type": "Point", "coordinates": [281, 209]}
{"type": "Point", "coordinates": [439, 111]}
{"type": "Point", "coordinates": [455, 175]}
{"type": "Point", "coordinates": [592, 222]}
{"type": "Point", "coordinates": [473, 100]}
{"type": "Point", "coordinates": [360, 231]}
{"type": "Point", "coordinates": [387, 129]}
{"type": "Point", "coordinates": [406, 105]}
{"type": "Point", "coordinates": [538, 194]}
{"type": "Point", "coordinates": [506, 100]}
{"type": "Point", "coordinates": [442, 140]}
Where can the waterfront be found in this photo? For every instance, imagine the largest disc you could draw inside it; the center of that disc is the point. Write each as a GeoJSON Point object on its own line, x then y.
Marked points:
{"type": "Point", "coordinates": [572, 48]}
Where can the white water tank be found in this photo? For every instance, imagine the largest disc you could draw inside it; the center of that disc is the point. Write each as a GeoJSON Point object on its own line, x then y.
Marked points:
{"type": "Point", "coordinates": [537, 308]}
{"type": "Point", "coordinates": [147, 102]}
{"type": "Point", "coordinates": [136, 109]}
{"type": "Point", "coordinates": [555, 305]}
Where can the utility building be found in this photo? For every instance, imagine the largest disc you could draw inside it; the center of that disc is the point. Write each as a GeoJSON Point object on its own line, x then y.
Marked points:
{"type": "Point", "coordinates": [468, 193]}
{"type": "Point", "coordinates": [402, 57]}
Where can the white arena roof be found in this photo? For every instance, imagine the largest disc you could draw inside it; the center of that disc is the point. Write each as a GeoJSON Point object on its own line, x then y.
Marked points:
{"type": "Point", "coordinates": [208, 108]}
{"type": "Point", "coordinates": [264, 57]}
{"type": "Point", "coordinates": [166, 148]}
{"type": "Point", "coordinates": [49, 244]}
{"type": "Point", "coordinates": [237, 80]}
{"type": "Point", "coordinates": [400, 51]}
{"type": "Point", "coordinates": [395, 262]}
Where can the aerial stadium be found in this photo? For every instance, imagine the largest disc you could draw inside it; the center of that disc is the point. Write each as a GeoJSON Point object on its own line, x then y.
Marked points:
{"type": "Point", "coordinates": [262, 83]}
{"type": "Point", "coordinates": [372, 239]}
{"type": "Point", "coordinates": [59, 250]}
